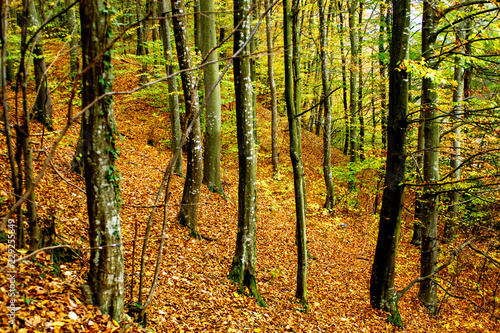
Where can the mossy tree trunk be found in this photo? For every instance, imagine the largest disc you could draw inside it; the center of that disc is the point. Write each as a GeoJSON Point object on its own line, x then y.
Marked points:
{"type": "Point", "coordinates": [243, 267]}
{"type": "Point", "coordinates": [106, 276]}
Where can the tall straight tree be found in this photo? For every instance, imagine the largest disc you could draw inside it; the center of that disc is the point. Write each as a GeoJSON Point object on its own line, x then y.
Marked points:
{"type": "Point", "coordinates": [295, 156]}
{"type": "Point", "coordinates": [272, 87]}
{"type": "Point", "coordinates": [173, 96]}
{"type": "Point", "coordinates": [327, 133]}
{"type": "Point", "coordinates": [101, 176]}
{"type": "Point", "coordinates": [73, 42]}
{"type": "Point", "coordinates": [353, 93]}
{"type": "Point", "coordinates": [347, 143]}
{"type": "Point", "coordinates": [208, 42]}
{"type": "Point", "coordinates": [243, 266]}
{"type": "Point", "coordinates": [382, 292]}
{"type": "Point", "coordinates": [188, 214]}
{"type": "Point", "coordinates": [427, 293]}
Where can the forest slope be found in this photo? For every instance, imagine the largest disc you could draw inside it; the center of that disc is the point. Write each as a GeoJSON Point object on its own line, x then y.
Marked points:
{"type": "Point", "coordinates": [194, 293]}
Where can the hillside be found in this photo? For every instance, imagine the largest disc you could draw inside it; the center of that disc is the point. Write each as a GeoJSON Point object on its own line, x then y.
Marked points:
{"type": "Point", "coordinates": [194, 293]}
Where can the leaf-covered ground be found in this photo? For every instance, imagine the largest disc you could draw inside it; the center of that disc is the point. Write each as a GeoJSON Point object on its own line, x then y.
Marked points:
{"type": "Point", "coordinates": [193, 292]}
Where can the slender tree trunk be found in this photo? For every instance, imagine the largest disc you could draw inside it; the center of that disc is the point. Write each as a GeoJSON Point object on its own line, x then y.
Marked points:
{"type": "Point", "coordinates": [43, 104]}
{"type": "Point", "coordinates": [458, 97]}
{"type": "Point", "coordinates": [354, 144]}
{"type": "Point", "coordinates": [344, 82]}
{"type": "Point", "coordinates": [327, 134]}
{"type": "Point", "coordinates": [295, 155]}
{"type": "Point", "coordinates": [15, 178]}
{"type": "Point", "coordinates": [427, 293]}
{"type": "Point", "coordinates": [173, 94]}
{"type": "Point", "coordinates": [106, 276]}
{"type": "Point", "coordinates": [243, 266]}
{"type": "Point", "coordinates": [73, 43]}
{"type": "Point", "coordinates": [208, 38]}
{"type": "Point", "coordinates": [272, 87]}
{"type": "Point", "coordinates": [24, 149]}
{"type": "Point", "coordinates": [360, 85]}
{"type": "Point", "coordinates": [141, 41]}
{"type": "Point", "coordinates": [188, 214]}
{"type": "Point", "coordinates": [382, 292]}
{"type": "Point", "coordinates": [382, 56]}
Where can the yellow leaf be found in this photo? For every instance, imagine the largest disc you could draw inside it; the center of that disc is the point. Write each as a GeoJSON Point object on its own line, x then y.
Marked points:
{"type": "Point", "coordinates": [257, 330]}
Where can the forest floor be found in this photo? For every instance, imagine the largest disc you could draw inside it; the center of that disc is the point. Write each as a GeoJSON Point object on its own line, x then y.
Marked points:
{"type": "Point", "coordinates": [194, 293]}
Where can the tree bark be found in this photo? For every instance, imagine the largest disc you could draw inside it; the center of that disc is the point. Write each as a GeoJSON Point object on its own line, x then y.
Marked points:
{"type": "Point", "coordinates": [243, 266]}
{"type": "Point", "coordinates": [173, 94]}
{"type": "Point", "coordinates": [106, 276]}
{"type": "Point", "coordinates": [382, 292]}
{"type": "Point", "coordinates": [188, 214]}
{"type": "Point", "coordinates": [295, 156]}
{"type": "Point", "coordinates": [73, 43]}
{"type": "Point", "coordinates": [353, 149]}
{"type": "Point", "coordinates": [43, 104]}
{"type": "Point", "coordinates": [427, 293]}
{"type": "Point", "coordinates": [272, 87]}
{"type": "Point", "coordinates": [327, 133]}
{"type": "Point", "coordinates": [208, 41]}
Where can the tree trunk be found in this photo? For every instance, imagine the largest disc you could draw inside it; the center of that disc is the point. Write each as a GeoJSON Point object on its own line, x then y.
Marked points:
{"type": "Point", "coordinates": [427, 293]}
{"type": "Point", "coordinates": [211, 158]}
{"type": "Point", "coordinates": [188, 215]}
{"type": "Point", "coordinates": [43, 105]}
{"type": "Point", "coordinates": [457, 112]}
{"type": "Point", "coordinates": [173, 95]}
{"type": "Point", "coordinates": [105, 276]}
{"type": "Point", "coordinates": [296, 157]}
{"type": "Point", "coordinates": [344, 81]}
{"type": "Point", "coordinates": [382, 56]}
{"type": "Point", "coordinates": [272, 87]}
{"type": "Point", "coordinates": [327, 133]}
{"type": "Point", "coordinates": [382, 292]}
{"type": "Point", "coordinates": [141, 42]}
{"type": "Point", "coordinates": [243, 266]}
{"type": "Point", "coordinates": [353, 149]}
{"type": "Point", "coordinates": [360, 85]}
{"type": "Point", "coordinates": [73, 43]}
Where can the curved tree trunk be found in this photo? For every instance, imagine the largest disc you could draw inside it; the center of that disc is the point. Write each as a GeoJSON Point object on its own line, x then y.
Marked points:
{"type": "Point", "coordinates": [188, 214]}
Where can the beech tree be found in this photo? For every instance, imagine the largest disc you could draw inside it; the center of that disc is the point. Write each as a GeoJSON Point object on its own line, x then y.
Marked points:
{"type": "Point", "coordinates": [243, 266]}
{"type": "Point", "coordinates": [208, 42]}
{"type": "Point", "coordinates": [101, 176]}
{"type": "Point", "coordinates": [188, 214]}
{"type": "Point", "coordinates": [382, 292]}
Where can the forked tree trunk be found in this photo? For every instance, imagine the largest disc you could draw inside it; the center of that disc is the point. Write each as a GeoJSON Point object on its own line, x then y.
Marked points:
{"type": "Point", "coordinates": [105, 276]}
{"type": "Point", "coordinates": [208, 41]}
{"type": "Point", "coordinates": [382, 292]}
{"type": "Point", "coordinates": [243, 266]}
{"type": "Point", "coordinates": [188, 214]}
